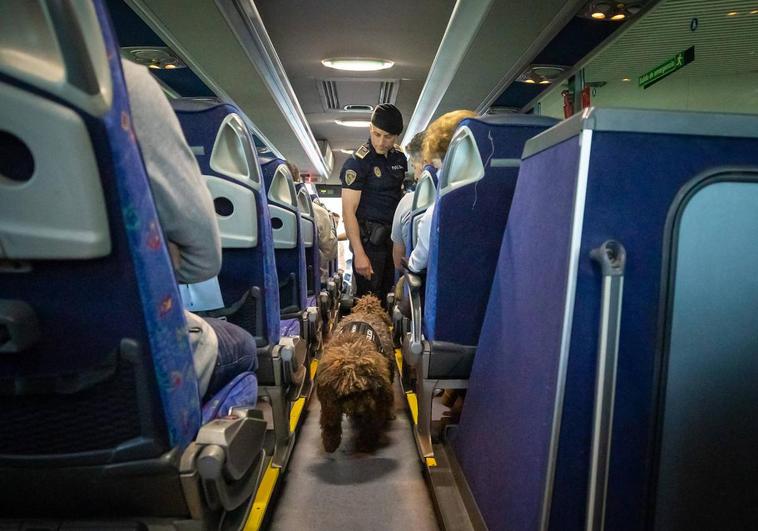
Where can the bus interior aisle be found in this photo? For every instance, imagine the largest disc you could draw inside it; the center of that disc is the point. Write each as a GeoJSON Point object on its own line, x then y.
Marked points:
{"type": "Point", "coordinates": [351, 490]}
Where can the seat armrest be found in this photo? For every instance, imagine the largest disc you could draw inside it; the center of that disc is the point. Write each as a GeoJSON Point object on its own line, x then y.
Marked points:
{"type": "Point", "coordinates": [413, 280]}
{"type": "Point", "coordinates": [415, 347]}
{"type": "Point", "coordinates": [225, 455]}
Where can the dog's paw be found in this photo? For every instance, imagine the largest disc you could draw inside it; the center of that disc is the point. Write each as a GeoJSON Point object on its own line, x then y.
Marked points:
{"type": "Point", "coordinates": [330, 448]}
{"type": "Point", "coordinates": [331, 443]}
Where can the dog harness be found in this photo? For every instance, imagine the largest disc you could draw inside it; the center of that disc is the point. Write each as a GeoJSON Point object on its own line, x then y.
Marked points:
{"type": "Point", "coordinates": [365, 329]}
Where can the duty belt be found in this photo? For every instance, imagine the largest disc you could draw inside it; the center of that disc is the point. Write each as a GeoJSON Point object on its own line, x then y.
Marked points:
{"type": "Point", "coordinates": [364, 329]}
{"type": "Point", "coordinates": [374, 231]}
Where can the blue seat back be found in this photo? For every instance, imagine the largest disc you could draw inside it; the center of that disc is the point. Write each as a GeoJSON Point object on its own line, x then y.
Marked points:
{"type": "Point", "coordinates": [309, 230]}
{"type": "Point", "coordinates": [288, 238]}
{"type": "Point", "coordinates": [476, 187]}
{"type": "Point", "coordinates": [112, 368]}
{"type": "Point", "coordinates": [526, 429]}
{"type": "Point", "coordinates": [227, 157]}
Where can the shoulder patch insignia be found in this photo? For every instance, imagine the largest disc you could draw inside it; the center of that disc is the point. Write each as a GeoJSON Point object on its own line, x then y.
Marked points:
{"type": "Point", "coordinates": [377, 171]}
{"type": "Point", "coordinates": [399, 148]}
{"type": "Point", "coordinates": [361, 151]}
{"type": "Point", "coordinates": [350, 177]}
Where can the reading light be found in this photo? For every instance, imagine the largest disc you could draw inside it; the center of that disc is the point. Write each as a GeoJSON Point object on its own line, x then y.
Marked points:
{"type": "Point", "coordinates": [541, 74]}
{"type": "Point", "coordinates": [357, 64]}
{"type": "Point", "coordinates": [155, 57]}
{"type": "Point", "coordinates": [731, 14]}
{"type": "Point", "coordinates": [600, 10]}
{"type": "Point", "coordinates": [353, 123]}
{"type": "Point", "coordinates": [615, 11]}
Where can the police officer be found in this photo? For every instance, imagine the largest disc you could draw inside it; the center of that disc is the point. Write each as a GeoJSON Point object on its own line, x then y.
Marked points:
{"type": "Point", "coordinates": [372, 182]}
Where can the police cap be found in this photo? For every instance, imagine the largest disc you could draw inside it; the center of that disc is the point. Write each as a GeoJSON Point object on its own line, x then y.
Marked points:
{"type": "Point", "coordinates": [387, 117]}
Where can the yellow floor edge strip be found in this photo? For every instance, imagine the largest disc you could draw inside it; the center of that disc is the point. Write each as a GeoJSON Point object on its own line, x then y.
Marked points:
{"type": "Point", "coordinates": [295, 412]}
{"type": "Point", "coordinates": [270, 477]}
{"type": "Point", "coordinates": [262, 498]}
{"type": "Point", "coordinates": [412, 400]}
{"type": "Point", "coordinates": [410, 396]}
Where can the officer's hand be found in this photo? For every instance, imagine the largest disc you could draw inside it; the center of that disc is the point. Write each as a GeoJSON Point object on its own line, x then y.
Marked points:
{"type": "Point", "coordinates": [363, 266]}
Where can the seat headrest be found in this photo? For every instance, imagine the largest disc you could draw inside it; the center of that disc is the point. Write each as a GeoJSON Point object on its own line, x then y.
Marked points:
{"type": "Point", "coordinates": [426, 189]}
{"type": "Point", "coordinates": [463, 163]}
{"type": "Point", "coordinates": [279, 183]}
{"type": "Point", "coordinates": [58, 48]}
{"type": "Point", "coordinates": [51, 197]}
{"type": "Point", "coordinates": [233, 153]}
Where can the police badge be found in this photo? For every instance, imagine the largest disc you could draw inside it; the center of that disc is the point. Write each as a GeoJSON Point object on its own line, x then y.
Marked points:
{"type": "Point", "coordinates": [350, 177]}
{"type": "Point", "coordinates": [377, 171]}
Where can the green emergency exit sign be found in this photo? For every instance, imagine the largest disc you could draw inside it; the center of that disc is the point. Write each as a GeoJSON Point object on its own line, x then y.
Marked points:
{"type": "Point", "coordinates": [669, 67]}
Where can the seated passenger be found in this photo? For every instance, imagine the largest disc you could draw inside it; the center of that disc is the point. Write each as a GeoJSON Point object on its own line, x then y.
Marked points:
{"type": "Point", "coordinates": [402, 212]}
{"type": "Point", "coordinates": [436, 141]}
{"type": "Point", "coordinates": [220, 349]}
{"type": "Point", "coordinates": [327, 239]}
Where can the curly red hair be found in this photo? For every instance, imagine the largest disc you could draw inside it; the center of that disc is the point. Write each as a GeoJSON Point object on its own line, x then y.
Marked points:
{"type": "Point", "coordinates": [439, 133]}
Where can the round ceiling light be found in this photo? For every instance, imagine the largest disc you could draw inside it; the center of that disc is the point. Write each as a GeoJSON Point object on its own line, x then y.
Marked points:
{"type": "Point", "coordinates": [155, 57]}
{"type": "Point", "coordinates": [541, 74]}
{"type": "Point", "coordinates": [357, 64]}
{"type": "Point", "coordinates": [353, 123]}
{"type": "Point", "coordinates": [600, 10]}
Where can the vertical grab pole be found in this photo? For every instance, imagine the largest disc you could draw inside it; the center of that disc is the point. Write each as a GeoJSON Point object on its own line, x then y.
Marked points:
{"type": "Point", "coordinates": [611, 256]}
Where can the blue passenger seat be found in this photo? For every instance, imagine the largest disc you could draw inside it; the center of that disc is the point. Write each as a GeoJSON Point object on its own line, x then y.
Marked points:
{"type": "Point", "coordinates": [476, 187]}
{"type": "Point", "coordinates": [99, 403]}
{"type": "Point", "coordinates": [248, 281]}
{"type": "Point", "coordinates": [614, 381]}
{"type": "Point", "coordinates": [288, 238]}
{"type": "Point", "coordinates": [310, 242]}
{"type": "Point", "coordinates": [315, 297]}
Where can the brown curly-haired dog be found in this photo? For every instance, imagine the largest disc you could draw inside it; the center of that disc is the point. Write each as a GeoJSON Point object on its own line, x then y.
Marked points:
{"type": "Point", "coordinates": [355, 378]}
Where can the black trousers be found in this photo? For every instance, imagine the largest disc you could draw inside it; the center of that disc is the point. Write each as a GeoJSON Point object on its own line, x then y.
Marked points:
{"type": "Point", "coordinates": [381, 281]}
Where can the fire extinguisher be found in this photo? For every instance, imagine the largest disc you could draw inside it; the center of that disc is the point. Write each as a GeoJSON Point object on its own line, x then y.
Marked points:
{"type": "Point", "coordinates": [568, 103]}
{"type": "Point", "coordinates": [586, 99]}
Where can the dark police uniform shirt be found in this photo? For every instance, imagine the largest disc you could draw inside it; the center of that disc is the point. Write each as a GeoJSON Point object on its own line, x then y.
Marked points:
{"type": "Point", "coordinates": [378, 178]}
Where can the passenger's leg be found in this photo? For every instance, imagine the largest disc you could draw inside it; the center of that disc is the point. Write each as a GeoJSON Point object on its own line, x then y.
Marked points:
{"type": "Point", "coordinates": [237, 353]}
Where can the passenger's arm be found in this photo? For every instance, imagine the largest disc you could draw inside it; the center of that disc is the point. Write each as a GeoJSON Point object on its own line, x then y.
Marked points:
{"type": "Point", "coordinates": [398, 252]}
{"type": "Point", "coordinates": [350, 201]}
{"type": "Point", "coordinates": [401, 213]}
{"type": "Point", "coordinates": [182, 200]}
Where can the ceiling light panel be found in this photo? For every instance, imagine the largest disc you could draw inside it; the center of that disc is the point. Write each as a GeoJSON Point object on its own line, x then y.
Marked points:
{"type": "Point", "coordinates": [353, 123]}
{"type": "Point", "coordinates": [356, 64]}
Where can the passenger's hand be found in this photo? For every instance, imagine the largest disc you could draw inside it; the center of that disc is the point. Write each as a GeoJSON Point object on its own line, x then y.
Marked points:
{"type": "Point", "coordinates": [175, 254]}
{"type": "Point", "coordinates": [363, 266]}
